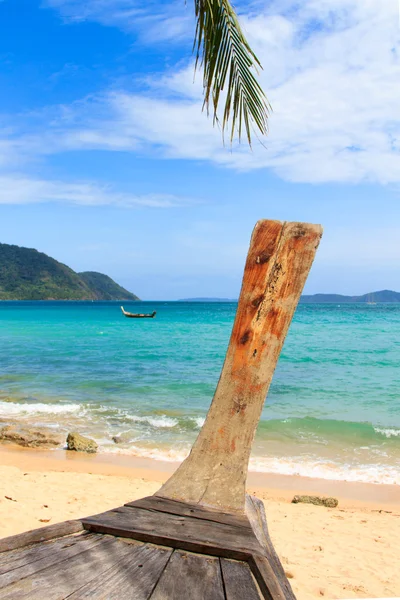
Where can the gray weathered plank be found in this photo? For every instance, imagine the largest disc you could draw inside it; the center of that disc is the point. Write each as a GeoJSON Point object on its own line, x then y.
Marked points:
{"type": "Point", "coordinates": [266, 578]}
{"type": "Point", "coordinates": [277, 265]}
{"type": "Point", "coordinates": [183, 509]}
{"type": "Point", "coordinates": [186, 533]}
{"type": "Point", "coordinates": [40, 535]}
{"type": "Point", "coordinates": [190, 576]}
{"type": "Point", "coordinates": [23, 556]}
{"type": "Point", "coordinates": [60, 580]}
{"type": "Point", "coordinates": [132, 578]}
{"type": "Point", "coordinates": [256, 513]}
{"type": "Point", "coordinates": [25, 570]}
{"type": "Point", "coordinates": [238, 581]}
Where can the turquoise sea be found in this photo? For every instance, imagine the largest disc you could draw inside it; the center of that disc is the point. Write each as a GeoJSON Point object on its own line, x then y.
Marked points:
{"type": "Point", "coordinates": [333, 409]}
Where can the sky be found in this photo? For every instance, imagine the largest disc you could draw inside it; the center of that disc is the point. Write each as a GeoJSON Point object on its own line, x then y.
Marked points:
{"type": "Point", "coordinates": [107, 162]}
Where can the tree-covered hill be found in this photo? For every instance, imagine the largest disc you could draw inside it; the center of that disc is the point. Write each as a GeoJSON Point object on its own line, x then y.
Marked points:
{"type": "Point", "coordinates": [104, 287]}
{"type": "Point", "coordinates": [26, 274]}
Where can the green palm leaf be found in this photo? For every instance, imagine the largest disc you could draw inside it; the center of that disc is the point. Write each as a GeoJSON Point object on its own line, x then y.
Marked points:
{"type": "Point", "coordinates": [228, 64]}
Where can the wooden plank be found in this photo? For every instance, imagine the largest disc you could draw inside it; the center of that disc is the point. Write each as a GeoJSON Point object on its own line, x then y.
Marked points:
{"type": "Point", "coordinates": [278, 262]}
{"type": "Point", "coordinates": [58, 581]}
{"type": "Point", "coordinates": [256, 513]}
{"type": "Point", "coordinates": [23, 556]}
{"type": "Point", "coordinates": [63, 553]}
{"type": "Point", "coordinates": [266, 578]}
{"type": "Point", "coordinates": [184, 509]}
{"type": "Point", "coordinates": [133, 578]}
{"type": "Point", "coordinates": [190, 576]}
{"type": "Point", "coordinates": [239, 582]}
{"type": "Point", "coordinates": [40, 535]}
{"type": "Point", "coordinates": [165, 529]}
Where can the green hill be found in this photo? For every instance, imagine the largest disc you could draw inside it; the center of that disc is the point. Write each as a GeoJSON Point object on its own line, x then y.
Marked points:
{"type": "Point", "coordinates": [104, 287]}
{"type": "Point", "coordinates": [26, 274]}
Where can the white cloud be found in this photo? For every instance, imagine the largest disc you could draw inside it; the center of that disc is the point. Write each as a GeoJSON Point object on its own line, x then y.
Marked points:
{"type": "Point", "coordinates": [332, 74]}
{"type": "Point", "coordinates": [15, 189]}
{"type": "Point", "coordinates": [152, 21]}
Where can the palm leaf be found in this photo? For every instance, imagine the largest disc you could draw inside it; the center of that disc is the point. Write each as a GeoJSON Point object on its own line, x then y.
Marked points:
{"type": "Point", "coordinates": [229, 63]}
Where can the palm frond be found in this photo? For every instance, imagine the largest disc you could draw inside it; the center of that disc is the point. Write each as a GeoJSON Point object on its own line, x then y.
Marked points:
{"type": "Point", "coordinates": [223, 52]}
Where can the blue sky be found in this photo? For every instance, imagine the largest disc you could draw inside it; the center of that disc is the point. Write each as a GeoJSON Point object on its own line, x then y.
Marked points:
{"type": "Point", "coordinates": [107, 162]}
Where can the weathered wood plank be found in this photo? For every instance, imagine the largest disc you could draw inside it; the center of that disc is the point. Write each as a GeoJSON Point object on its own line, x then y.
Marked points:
{"type": "Point", "coordinates": [134, 577]}
{"type": "Point", "coordinates": [184, 509]}
{"type": "Point", "coordinates": [63, 553]}
{"type": "Point", "coordinates": [40, 535]}
{"type": "Point", "coordinates": [58, 581]}
{"type": "Point", "coordinates": [278, 262]}
{"type": "Point", "coordinates": [256, 513]}
{"type": "Point", "coordinates": [23, 556]}
{"type": "Point", "coordinates": [187, 533]}
{"type": "Point", "coordinates": [266, 578]}
{"type": "Point", "coordinates": [239, 581]}
{"type": "Point", "coordinates": [190, 576]}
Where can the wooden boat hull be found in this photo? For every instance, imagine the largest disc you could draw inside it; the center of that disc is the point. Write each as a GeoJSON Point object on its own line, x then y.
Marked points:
{"type": "Point", "coordinates": [138, 315]}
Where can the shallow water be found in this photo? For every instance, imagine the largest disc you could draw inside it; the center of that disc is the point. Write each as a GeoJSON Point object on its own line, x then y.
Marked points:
{"type": "Point", "coordinates": [333, 409]}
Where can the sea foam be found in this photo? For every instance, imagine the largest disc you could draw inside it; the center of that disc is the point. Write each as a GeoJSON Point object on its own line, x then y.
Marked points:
{"type": "Point", "coordinates": [9, 409]}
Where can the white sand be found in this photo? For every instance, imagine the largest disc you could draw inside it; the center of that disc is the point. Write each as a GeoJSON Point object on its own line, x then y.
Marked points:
{"type": "Point", "coordinates": [350, 551]}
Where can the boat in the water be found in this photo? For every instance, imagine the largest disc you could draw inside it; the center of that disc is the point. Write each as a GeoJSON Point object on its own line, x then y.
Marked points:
{"type": "Point", "coordinates": [138, 315]}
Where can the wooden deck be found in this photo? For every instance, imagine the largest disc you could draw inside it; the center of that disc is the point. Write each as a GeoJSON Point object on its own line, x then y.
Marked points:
{"type": "Point", "coordinates": [153, 548]}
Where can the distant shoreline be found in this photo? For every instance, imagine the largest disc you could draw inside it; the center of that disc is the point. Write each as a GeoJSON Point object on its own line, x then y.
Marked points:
{"type": "Point", "coordinates": [380, 297]}
{"type": "Point", "coordinates": [312, 299]}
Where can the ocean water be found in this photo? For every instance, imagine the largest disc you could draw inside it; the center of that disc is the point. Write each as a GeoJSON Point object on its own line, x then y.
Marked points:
{"type": "Point", "coordinates": [333, 409]}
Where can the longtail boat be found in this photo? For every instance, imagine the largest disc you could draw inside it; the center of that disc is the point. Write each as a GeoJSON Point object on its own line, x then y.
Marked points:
{"type": "Point", "coordinates": [138, 315]}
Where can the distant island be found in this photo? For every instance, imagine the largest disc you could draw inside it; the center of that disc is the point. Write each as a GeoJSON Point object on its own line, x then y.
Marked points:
{"type": "Point", "coordinates": [26, 274]}
{"type": "Point", "coordinates": [372, 297]}
{"type": "Point", "coordinates": [207, 300]}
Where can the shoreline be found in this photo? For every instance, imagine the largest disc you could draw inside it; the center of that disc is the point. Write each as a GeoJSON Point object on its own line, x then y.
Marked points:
{"type": "Point", "coordinates": [376, 463]}
{"type": "Point", "coordinates": [349, 493]}
{"type": "Point", "coordinates": [336, 553]}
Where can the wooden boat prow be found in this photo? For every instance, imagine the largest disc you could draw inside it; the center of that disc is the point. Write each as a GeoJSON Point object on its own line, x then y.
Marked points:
{"type": "Point", "coordinates": [199, 537]}
{"type": "Point", "coordinates": [138, 315]}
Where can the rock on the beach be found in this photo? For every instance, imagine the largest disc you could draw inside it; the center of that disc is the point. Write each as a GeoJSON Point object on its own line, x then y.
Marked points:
{"type": "Point", "coordinates": [80, 443]}
{"type": "Point", "coordinates": [318, 500]}
{"type": "Point", "coordinates": [122, 438]}
{"type": "Point", "coordinates": [29, 438]}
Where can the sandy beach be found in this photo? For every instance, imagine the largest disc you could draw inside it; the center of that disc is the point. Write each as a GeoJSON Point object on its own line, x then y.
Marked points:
{"type": "Point", "coordinates": [348, 552]}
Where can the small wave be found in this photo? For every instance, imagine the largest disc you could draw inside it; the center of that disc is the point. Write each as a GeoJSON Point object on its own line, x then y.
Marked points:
{"type": "Point", "coordinates": [199, 421]}
{"type": "Point", "coordinates": [388, 432]}
{"type": "Point", "coordinates": [326, 470]}
{"type": "Point", "coordinates": [170, 455]}
{"type": "Point", "coordinates": [325, 430]}
{"type": "Point", "coordinates": [162, 421]}
{"type": "Point", "coordinates": [12, 408]}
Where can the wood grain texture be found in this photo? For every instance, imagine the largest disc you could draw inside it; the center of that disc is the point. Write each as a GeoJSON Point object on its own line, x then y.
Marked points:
{"type": "Point", "coordinates": [278, 262]}
{"type": "Point", "coordinates": [133, 577]}
{"type": "Point", "coordinates": [183, 509]}
{"type": "Point", "coordinates": [266, 578]}
{"type": "Point", "coordinates": [239, 582]}
{"type": "Point", "coordinates": [39, 535]}
{"type": "Point", "coordinates": [187, 533]}
{"type": "Point", "coordinates": [190, 577]}
{"type": "Point", "coordinates": [60, 580]}
{"type": "Point", "coordinates": [24, 556]}
{"type": "Point", "coordinates": [48, 559]}
{"type": "Point", "coordinates": [256, 513]}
